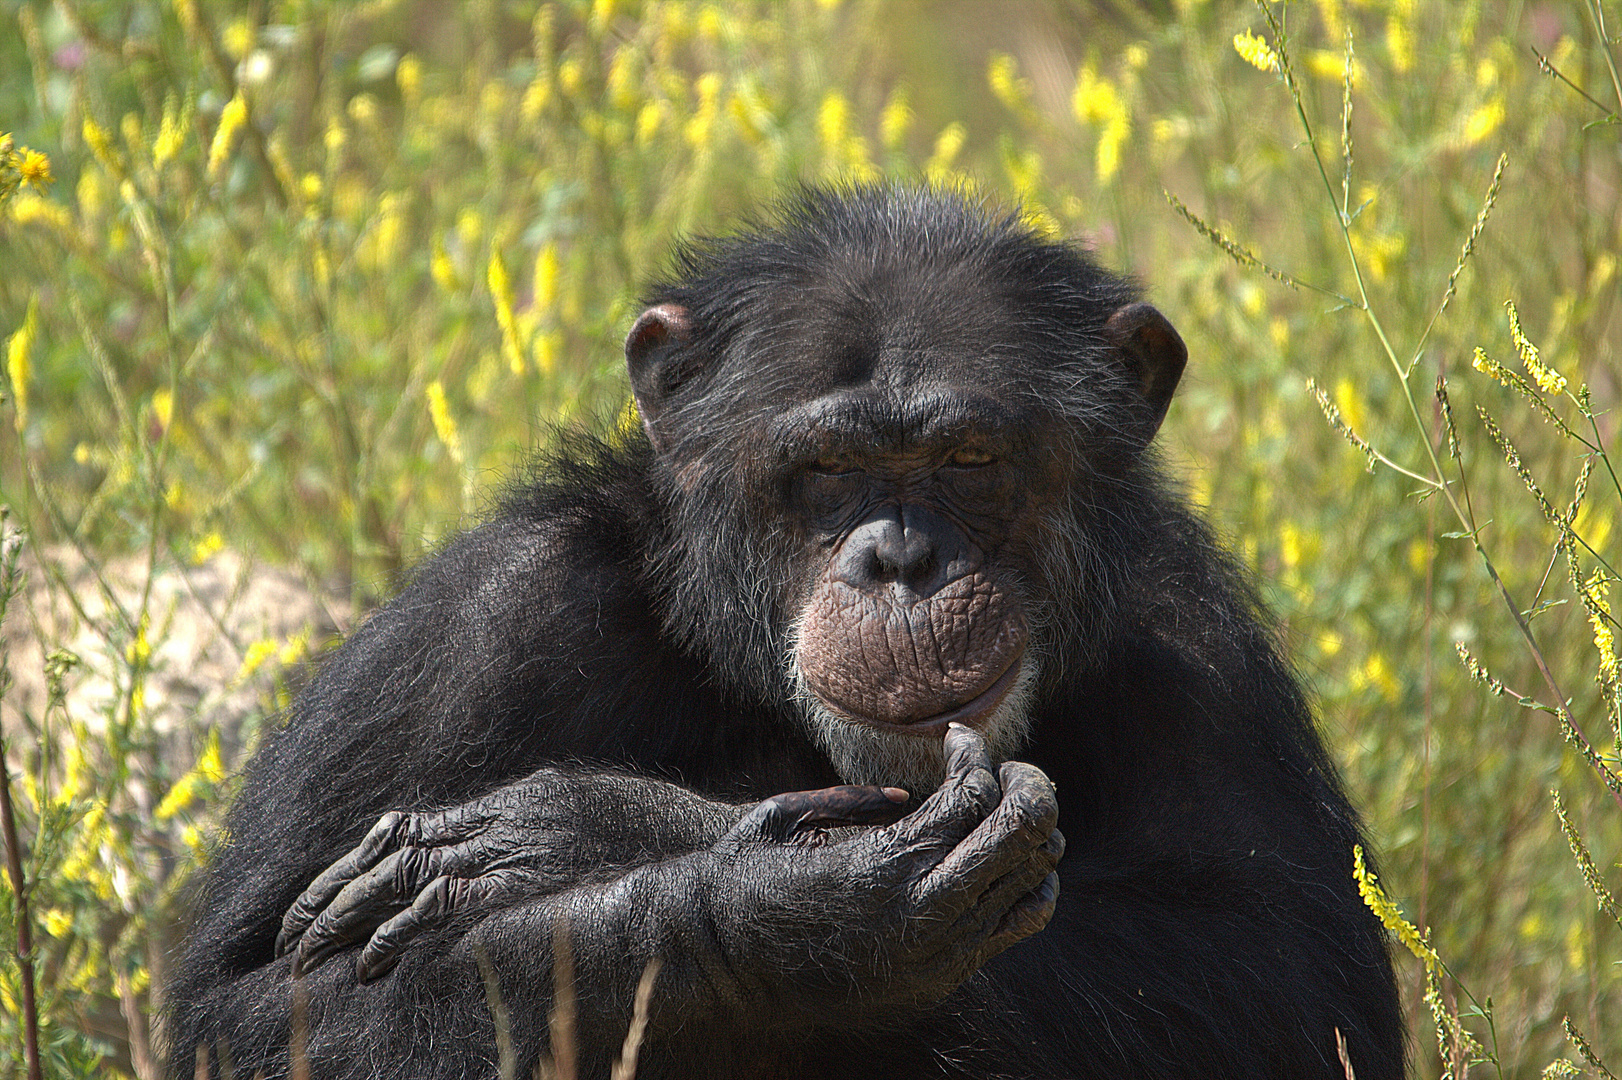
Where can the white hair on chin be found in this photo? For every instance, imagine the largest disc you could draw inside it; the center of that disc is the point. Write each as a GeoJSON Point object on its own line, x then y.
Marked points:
{"type": "Point", "coordinates": [862, 754]}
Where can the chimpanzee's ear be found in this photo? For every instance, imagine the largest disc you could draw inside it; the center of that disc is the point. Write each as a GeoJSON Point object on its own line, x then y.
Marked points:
{"type": "Point", "coordinates": [652, 356]}
{"type": "Point", "coordinates": [1153, 351]}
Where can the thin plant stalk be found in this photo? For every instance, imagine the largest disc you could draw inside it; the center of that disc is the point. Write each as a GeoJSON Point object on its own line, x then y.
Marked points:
{"type": "Point", "coordinates": [9, 583]}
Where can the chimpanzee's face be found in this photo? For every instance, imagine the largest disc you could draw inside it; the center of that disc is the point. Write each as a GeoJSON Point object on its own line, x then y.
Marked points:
{"type": "Point", "coordinates": [914, 508]}
{"type": "Point", "coordinates": [879, 466]}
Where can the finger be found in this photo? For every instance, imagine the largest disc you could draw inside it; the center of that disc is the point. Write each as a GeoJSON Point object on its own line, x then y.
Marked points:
{"type": "Point", "coordinates": [383, 838]}
{"type": "Point", "coordinates": [442, 898]}
{"type": "Point", "coordinates": [781, 817]}
{"type": "Point", "coordinates": [965, 750]}
{"type": "Point", "coordinates": [969, 792]}
{"type": "Point", "coordinates": [1007, 891]}
{"type": "Point", "coordinates": [366, 902]}
{"type": "Point", "coordinates": [1020, 827]}
{"type": "Point", "coordinates": [847, 804]}
{"type": "Point", "coordinates": [1030, 914]}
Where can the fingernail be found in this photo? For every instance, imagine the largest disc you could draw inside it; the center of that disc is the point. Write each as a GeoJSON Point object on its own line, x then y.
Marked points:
{"type": "Point", "coordinates": [895, 794]}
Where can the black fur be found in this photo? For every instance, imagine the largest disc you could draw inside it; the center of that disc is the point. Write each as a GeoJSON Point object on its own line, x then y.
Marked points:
{"type": "Point", "coordinates": [624, 618]}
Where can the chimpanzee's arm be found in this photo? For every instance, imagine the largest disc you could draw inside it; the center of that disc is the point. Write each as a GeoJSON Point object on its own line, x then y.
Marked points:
{"type": "Point", "coordinates": [759, 936]}
{"type": "Point", "coordinates": [550, 831]}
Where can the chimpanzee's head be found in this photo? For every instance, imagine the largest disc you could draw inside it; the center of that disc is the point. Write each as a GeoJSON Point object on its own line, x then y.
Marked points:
{"type": "Point", "coordinates": [901, 437]}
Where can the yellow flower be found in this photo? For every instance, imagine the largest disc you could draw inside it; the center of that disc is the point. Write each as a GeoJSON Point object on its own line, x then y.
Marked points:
{"type": "Point", "coordinates": [408, 76]}
{"type": "Point", "coordinates": [546, 276]}
{"type": "Point", "coordinates": [210, 769]}
{"type": "Point", "coordinates": [1330, 65]}
{"type": "Point", "coordinates": [1003, 77]}
{"type": "Point", "coordinates": [444, 423]}
{"type": "Point", "coordinates": [138, 652]}
{"type": "Point", "coordinates": [547, 347]}
{"type": "Point", "coordinates": [1378, 251]}
{"type": "Point", "coordinates": [570, 73]}
{"type": "Point", "coordinates": [1604, 638]}
{"type": "Point", "coordinates": [1377, 673]}
{"type": "Point", "coordinates": [297, 647]}
{"type": "Point", "coordinates": [35, 169]}
{"type": "Point", "coordinates": [58, 922]}
{"type": "Point", "coordinates": [254, 659]}
{"type": "Point", "coordinates": [1549, 380]}
{"type": "Point", "coordinates": [28, 208]}
{"type": "Point", "coordinates": [947, 145]}
{"type": "Point", "coordinates": [1256, 51]}
{"type": "Point", "coordinates": [623, 79]}
{"type": "Point", "coordinates": [698, 127]}
{"type": "Point", "coordinates": [1368, 887]}
{"type": "Point", "coordinates": [895, 120]}
{"type": "Point", "coordinates": [232, 119]}
{"type": "Point", "coordinates": [1482, 123]}
{"type": "Point", "coordinates": [648, 120]}
{"type": "Point", "coordinates": [833, 122]}
{"type": "Point", "coordinates": [1399, 39]}
{"type": "Point", "coordinates": [1484, 363]}
{"type": "Point", "coordinates": [1107, 158]}
{"type": "Point", "coordinates": [237, 38]}
{"type": "Point", "coordinates": [17, 362]}
{"type": "Point", "coordinates": [750, 114]}
{"type": "Point", "coordinates": [363, 108]}
{"type": "Point", "coordinates": [207, 547]}
{"type": "Point", "coordinates": [536, 95]}
{"type": "Point", "coordinates": [1289, 545]}
{"type": "Point", "coordinates": [171, 133]}
{"type": "Point", "coordinates": [1098, 102]}
{"type": "Point", "coordinates": [501, 292]}
{"type": "Point", "coordinates": [443, 269]}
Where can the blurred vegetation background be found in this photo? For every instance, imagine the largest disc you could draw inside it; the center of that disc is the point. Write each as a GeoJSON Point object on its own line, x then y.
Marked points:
{"type": "Point", "coordinates": [311, 277]}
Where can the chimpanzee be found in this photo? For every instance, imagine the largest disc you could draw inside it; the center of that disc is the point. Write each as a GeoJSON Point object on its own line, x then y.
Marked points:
{"type": "Point", "coordinates": [783, 692]}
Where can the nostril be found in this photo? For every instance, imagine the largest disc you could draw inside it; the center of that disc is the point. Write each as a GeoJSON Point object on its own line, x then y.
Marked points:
{"type": "Point", "coordinates": [905, 558]}
{"type": "Point", "coordinates": [908, 553]}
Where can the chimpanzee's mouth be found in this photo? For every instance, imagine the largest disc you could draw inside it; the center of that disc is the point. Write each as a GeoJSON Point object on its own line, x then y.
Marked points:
{"type": "Point", "coordinates": [970, 713]}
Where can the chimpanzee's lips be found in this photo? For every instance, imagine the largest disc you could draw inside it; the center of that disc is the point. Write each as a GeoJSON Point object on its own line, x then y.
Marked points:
{"type": "Point", "coordinates": [970, 713]}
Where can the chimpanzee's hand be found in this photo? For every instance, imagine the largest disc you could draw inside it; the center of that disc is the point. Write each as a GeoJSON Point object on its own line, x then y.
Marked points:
{"type": "Point", "coordinates": [893, 916]}
{"type": "Point", "coordinates": [553, 830]}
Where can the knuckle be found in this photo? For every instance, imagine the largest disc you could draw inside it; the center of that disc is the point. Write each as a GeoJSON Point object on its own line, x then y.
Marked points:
{"type": "Point", "coordinates": [414, 828]}
{"type": "Point", "coordinates": [387, 832]}
{"type": "Point", "coordinates": [979, 788]}
{"type": "Point", "coordinates": [319, 933]}
{"type": "Point", "coordinates": [409, 867]}
{"type": "Point", "coordinates": [1025, 820]}
{"type": "Point", "coordinates": [1018, 775]}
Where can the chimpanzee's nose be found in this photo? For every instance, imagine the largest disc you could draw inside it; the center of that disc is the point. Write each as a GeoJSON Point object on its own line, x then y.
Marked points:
{"type": "Point", "coordinates": [906, 547]}
{"type": "Point", "coordinates": [901, 554]}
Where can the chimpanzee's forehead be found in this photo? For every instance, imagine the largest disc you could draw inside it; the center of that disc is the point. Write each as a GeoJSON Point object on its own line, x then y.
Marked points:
{"type": "Point", "coordinates": [905, 332]}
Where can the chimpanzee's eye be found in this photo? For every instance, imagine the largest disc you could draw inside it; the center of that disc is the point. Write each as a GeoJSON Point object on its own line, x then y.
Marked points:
{"type": "Point", "coordinates": [968, 457]}
{"type": "Point", "coordinates": [827, 486]}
